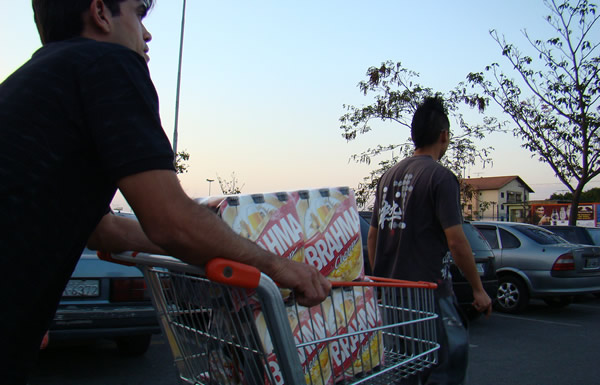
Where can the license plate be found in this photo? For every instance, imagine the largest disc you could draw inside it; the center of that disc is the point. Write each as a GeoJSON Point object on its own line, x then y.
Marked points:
{"type": "Point", "coordinates": [82, 288]}
{"type": "Point", "coordinates": [592, 263]}
{"type": "Point", "coordinates": [481, 268]}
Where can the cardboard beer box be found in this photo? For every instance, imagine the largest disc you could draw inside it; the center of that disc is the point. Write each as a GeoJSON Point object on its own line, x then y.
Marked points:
{"type": "Point", "coordinates": [270, 220]}
{"type": "Point", "coordinates": [350, 311]}
{"type": "Point", "coordinates": [331, 227]}
{"type": "Point", "coordinates": [211, 202]}
{"type": "Point", "coordinates": [307, 324]}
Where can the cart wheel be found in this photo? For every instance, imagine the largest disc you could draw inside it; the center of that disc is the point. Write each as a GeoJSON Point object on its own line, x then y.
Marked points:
{"type": "Point", "coordinates": [558, 302]}
{"type": "Point", "coordinates": [513, 296]}
{"type": "Point", "coordinates": [133, 345]}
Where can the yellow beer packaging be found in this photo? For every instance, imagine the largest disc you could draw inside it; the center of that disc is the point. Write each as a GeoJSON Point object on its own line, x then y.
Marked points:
{"type": "Point", "coordinates": [270, 220]}
{"type": "Point", "coordinates": [348, 311]}
{"type": "Point", "coordinates": [320, 227]}
{"type": "Point", "coordinates": [331, 227]}
{"type": "Point", "coordinates": [351, 311]}
{"type": "Point", "coordinates": [307, 324]}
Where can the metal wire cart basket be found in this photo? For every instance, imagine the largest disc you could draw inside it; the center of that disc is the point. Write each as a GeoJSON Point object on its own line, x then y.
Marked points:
{"type": "Point", "coordinates": [229, 324]}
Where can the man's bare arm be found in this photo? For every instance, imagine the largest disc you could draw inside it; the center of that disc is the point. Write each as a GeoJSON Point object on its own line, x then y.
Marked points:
{"type": "Point", "coordinates": [194, 234]}
{"type": "Point", "coordinates": [464, 259]}
{"type": "Point", "coordinates": [117, 234]}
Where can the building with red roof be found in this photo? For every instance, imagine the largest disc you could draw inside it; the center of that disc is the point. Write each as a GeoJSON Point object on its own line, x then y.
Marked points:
{"type": "Point", "coordinates": [502, 198]}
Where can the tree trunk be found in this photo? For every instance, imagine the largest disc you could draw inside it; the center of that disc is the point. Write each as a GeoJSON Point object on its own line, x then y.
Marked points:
{"type": "Point", "coordinates": [575, 204]}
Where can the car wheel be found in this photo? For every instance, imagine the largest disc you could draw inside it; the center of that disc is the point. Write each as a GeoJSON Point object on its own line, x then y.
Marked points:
{"type": "Point", "coordinates": [513, 296]}
{"type": "Point", "coordinates": [558, 301]}
{"type": "Point", "coordinates": [133, 345]}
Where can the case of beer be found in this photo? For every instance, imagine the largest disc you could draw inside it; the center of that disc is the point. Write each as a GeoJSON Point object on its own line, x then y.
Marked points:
{"type": "Point", "coordinates": [307, 324]}
{"type": "Point", "coordinates": [270, 220]}
{"type": "Point", "coordinates": [320, 227]}
{"type": "Point", "coordinates": [332, 232]}
{"type": "Point", "coordinates": [350, 313]}
{"type": "Point", "coordinates": [353, 311]}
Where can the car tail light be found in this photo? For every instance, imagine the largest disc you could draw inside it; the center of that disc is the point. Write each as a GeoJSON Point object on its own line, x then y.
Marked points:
{"type": "Point", "coordinates": [564, 262]}
{"type": "Point", "coordinates": [128, 290]}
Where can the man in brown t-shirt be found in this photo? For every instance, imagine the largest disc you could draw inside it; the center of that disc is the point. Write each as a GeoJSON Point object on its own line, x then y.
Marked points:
{"type": "Point", "coordinates": [416, 230]}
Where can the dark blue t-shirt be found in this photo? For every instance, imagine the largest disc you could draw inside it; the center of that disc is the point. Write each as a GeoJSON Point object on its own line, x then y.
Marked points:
{"type": "Point", "coordinates": [74, 119]}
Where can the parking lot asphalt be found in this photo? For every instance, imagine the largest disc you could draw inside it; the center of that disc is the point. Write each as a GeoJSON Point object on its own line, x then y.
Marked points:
{"type": "Point", "coordinates": [543, 345]}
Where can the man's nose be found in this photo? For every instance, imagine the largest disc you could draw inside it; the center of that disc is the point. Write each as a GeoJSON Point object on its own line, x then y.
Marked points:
{"type": "Point", "coordinates": [147, 35]}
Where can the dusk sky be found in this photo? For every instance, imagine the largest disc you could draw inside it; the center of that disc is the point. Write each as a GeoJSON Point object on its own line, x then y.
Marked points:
{"type": "Point", "coordinates": [263, 82]}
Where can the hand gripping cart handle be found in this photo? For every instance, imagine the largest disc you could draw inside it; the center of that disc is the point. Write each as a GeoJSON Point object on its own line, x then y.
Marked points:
{"type": "Point", "coordinates": [228, 323]}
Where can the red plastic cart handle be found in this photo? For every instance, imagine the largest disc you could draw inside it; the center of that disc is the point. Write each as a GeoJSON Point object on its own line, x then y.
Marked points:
{"type": "Point", "coordinates": [232, 273]}
{"type": "Point", "coordinates": [108, 257]}
{"type": "Point", "coordinates": [387, 282]}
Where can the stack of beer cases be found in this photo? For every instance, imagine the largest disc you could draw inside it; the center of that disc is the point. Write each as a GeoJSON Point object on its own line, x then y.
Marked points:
{"type": "Point", "coordinates": [319, 227]}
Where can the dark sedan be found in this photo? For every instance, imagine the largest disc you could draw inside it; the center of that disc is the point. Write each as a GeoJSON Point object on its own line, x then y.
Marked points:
{"type": "Point", "coordinates": [484, 261]}
{"type": "Point", "coordinates": [577, 234]}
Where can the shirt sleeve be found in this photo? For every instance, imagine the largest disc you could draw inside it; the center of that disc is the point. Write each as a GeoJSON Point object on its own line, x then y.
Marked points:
{"type": "Point", "coordinates": [448, 200]}
{"type": "Point", "coordinates": [121, 108]}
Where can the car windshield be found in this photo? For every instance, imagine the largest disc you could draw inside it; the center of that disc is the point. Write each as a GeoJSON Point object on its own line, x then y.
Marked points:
{"type": "Point", "coordinates": [595, 234]}
{"type": "Point", "coordinates": [476, 240]}
{"type": "Point", "coordinates": [539, 235]}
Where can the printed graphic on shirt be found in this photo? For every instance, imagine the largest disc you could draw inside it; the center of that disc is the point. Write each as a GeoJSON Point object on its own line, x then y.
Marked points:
{"type": "Point", "coordinates": [446, 262]}
{"type": "Point", "coordinates": [393, 204]}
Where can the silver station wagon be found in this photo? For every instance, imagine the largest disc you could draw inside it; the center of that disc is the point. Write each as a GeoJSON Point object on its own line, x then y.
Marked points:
{"type": "Point", "coordinates": [106, 300]}
{"type": "Point", "coordinates": [532, 262]}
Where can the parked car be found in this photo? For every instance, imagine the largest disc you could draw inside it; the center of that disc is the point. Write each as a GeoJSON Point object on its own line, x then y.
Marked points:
{"type": "Point", "coordinates": [484, 260]}
{"type": "Point", "coordinates": [364, 231]}
{"type": "Point", "coordinates": [106, 300]}
{"type": "Point", "coordinates": [577, 234]}
{"type": "Point", "coordinates": [532, 262]}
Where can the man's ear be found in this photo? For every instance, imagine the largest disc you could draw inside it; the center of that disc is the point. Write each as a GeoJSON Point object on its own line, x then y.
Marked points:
{"type": "Point", "coordinates": [98, 17]}
{"type": "Point", "coordinates": [444, 137]}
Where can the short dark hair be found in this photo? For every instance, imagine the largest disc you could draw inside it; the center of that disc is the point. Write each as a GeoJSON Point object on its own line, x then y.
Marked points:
{"type": "Point", "coordinates": [429, 121]}
{"type": "Point", "coordinates": [58, 20]}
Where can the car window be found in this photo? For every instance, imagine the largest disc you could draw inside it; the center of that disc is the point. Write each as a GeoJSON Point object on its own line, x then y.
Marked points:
{"type": "Point", "coordinates": [569, 235]}
{"type": "Point", "coordinates": [364, 228]}
{"type": "Point", "coordinates": [476, 240]}
{"type": "Point", "coordinates": [366, 215]}
{"type": "Point", "coordinates": [509, 241]}
{"type": "Point", "coordinates": [595, 234]}
{"type": "Point", "coordinates": [489, 233]}
{"type": "Point", "coordinates": [539, 235]}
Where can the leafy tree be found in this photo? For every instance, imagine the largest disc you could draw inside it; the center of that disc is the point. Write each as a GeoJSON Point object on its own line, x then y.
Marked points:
{"type": "Point", "coordinates": [230, 187]}
{"type": "Point", "coordinates": [483, 207]}
{"type": "Point", "coordinates": [589, 196]}
{"type": "Point", "coordinates": [180, 162]}
{"type": "Point", "coordinates": [396, 96]}
{"type": "Point", "coordinates": [555, 104]}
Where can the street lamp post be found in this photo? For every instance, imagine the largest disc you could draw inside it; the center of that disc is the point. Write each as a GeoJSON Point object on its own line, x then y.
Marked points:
{"type": "Point", "coordinates": [178, 91]}
{"type": "Point", "coordinates": [209, 183]}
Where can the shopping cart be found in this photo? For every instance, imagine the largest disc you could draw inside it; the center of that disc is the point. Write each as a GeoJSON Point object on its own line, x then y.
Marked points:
{"type": "Point", "coordinates": [228, 324]}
